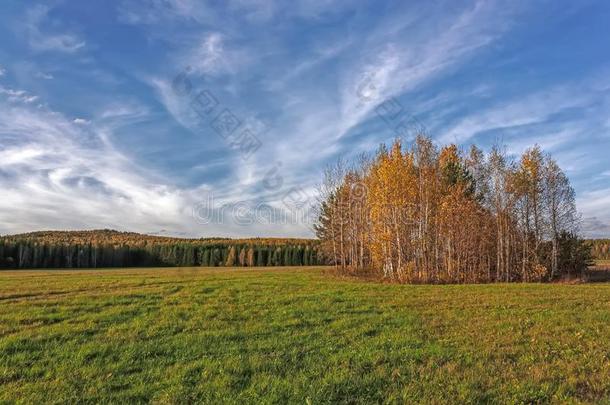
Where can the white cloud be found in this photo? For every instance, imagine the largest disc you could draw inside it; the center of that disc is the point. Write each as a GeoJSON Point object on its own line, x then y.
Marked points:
{"type": "Point", "coordinates": [595, 227]}
{"type": "Point", "coordinates": [19, 155]}
{"type": "Point", "coordinates": [58, 174]}
{"type": "Point", "coordinates": [45, 76]}
{"type": "Point", "coordinates": [18, 96]}
{"type": "Point", "coordinates": [392, 67]}
{"type": "Point", "coordinates": [594, 207]}
{"type": "Point", "coordinates": [379, 66]}
{"type": "Point", "coordinates": [150, 12]}
{"type": "Point", "coordinates": [65, 171]}
{"type": "Point", "coordinates": [212, 55]}
{"type": "Point", "coordinates": [296, 70]}
{"type": "Point", "coordinates": [2, 71]}
{"type": "Point", "coordinates": [41, 40]}
{"type": "Point", "coordinates": [529, 109]}
{"type": "Point", "coordinates": [255, 10]}
{"type": "Point", "coordinates": [175, 105]}
{"type": "Point", "coordinates": [155, 11]}
{"type": "Point", "coordinates": [314, 118]}
{"type": "Point", "coordinates": [122, 113]}
{"type": "Point", "coordinates": [240, 182]}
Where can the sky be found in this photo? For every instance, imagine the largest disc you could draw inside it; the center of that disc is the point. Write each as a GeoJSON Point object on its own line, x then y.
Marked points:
{"type": "Point", "coordinates": [217, 118]}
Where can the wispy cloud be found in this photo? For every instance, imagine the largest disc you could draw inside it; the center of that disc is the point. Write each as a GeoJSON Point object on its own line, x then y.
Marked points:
{"type": "Point", "coordinates": [149, 12]}
{"type": "Point", "coordinates": [538, 107]}
{"type": "Point", "coordinates": [318, 117]}
{"type": "Point", "coordinates": [56, 174]}
{"type": "Point", "coordinates": [594, 207]}
{"type": "Point", "coordinates": [395, 67]}
{"type": "Point", "coordinates": [41, 39]}
{"type": "Point", "coordinates": [124, 148]}
{"type": "Point", "coordinates": [154, 11]}
{"type": "Point", "coordinates": [175, 105]}
{"type": "Point", "coordinates": [68, 173]}
{"type": "Point", "coordinates": [240, 181]}
{"type": "Point", "coordinates": [18, 96]}
{"type": "Point", "coordinates": [44, 76]}
{"type": "Point", "coordinates": [594, 227]}
{"type": "Point", "coordinates": [314, 117]}
{"type": "Point", "coordinates": [81, 121]}
{"type": "Point", "coordinates": [212, 55]}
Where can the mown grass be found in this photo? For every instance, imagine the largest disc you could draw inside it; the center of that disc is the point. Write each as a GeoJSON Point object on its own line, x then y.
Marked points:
{"type": "Point", "coordinates": [298, 336]}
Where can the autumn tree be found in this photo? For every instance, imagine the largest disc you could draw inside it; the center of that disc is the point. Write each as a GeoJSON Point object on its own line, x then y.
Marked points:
{"type": "Point", "coordinates": [430, 215]}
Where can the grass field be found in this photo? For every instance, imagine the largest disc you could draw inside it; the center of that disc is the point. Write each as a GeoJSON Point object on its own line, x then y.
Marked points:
{"type": "Point", "coordinates": [296, 335]}
{"type": "Point", "coordinates": [603, 263]}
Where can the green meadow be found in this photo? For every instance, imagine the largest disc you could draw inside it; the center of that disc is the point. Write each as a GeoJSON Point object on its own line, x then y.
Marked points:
{"type": "Point", "coordinates": [296, 335]}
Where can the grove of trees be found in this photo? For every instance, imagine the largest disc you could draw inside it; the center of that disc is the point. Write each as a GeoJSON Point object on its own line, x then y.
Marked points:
{"type": "Point", "coordinates": [95, 249]}
{"type": "Point", "coordinates": [425, 214]}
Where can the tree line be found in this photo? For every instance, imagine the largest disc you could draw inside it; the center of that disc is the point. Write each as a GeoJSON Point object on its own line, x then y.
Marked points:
{"type": "Point", "coordinates": [97, 249]}
{"type": "Point", "coordinates": [429, 214]}
{"type": "Point", "coordinates": [601, 249]}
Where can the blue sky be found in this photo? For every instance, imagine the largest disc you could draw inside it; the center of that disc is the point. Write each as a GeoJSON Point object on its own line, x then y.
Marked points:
{"type": "Point", "coordinates": [141, 114]}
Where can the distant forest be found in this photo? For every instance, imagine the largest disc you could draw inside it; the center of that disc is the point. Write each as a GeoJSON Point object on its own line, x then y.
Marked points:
{"type": "Point", "coordinates": [107, 248]}
{"type": "Point", "coordinates": [600, 249]}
